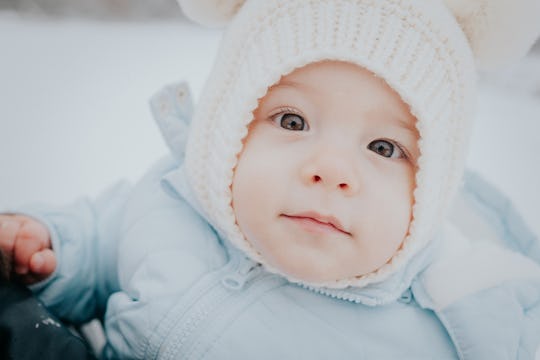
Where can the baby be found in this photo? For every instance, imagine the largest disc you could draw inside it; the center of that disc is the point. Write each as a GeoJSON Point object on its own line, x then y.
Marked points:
{"type": "Point", "coordinates": [305, 215]}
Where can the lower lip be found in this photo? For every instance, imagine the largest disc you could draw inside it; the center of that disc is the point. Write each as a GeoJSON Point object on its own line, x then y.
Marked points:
{"type": "Point", "coordinates": [312, 225]}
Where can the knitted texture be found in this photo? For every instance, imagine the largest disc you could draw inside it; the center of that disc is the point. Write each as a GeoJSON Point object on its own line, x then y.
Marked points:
{"type": "Point", "coordinates": [417, 46]}
{"type": "Point", "coordinates": [499, 31]}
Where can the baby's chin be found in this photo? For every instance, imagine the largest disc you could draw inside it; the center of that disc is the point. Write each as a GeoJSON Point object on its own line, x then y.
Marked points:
{"type": "Point", "coordinates": [321, 272]}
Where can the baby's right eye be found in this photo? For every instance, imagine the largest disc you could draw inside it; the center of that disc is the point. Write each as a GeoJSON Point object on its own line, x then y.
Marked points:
{"type": "Point", "coordinates": [290, 121]}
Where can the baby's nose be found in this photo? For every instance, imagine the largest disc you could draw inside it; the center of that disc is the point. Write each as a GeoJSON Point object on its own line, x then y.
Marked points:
{"type": "Point", "coordinates": [334, 173]}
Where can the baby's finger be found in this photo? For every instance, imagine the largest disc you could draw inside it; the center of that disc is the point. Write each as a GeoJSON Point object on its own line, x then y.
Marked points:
{"type": "Point", "coordinates": [43, 263]}
{"type": "Point", "coordinates": [31, 228]}
{"type": "Point", "coordinates": [8, 232]}
{"type": "Point", "coordinates": [31, 238]}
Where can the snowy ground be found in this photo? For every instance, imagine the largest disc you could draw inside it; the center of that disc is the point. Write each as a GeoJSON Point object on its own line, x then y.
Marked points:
{"type": "Point", "coordinates": [74, 115]}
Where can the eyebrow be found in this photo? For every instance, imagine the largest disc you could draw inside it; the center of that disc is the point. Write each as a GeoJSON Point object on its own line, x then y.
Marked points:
{"type": "Point", "coordinates": [289, 83]}
{"type": "Point", "coordinates": [395, 118]}
{"type": "Point", "coordinates": [405, 125]}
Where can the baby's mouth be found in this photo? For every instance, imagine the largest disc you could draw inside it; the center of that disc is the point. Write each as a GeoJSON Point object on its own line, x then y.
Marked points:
{"type": "Point", "coordinates": [314, 222]}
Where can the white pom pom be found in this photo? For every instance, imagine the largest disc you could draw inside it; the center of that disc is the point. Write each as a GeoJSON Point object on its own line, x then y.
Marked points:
{"type": "Point", "coordinates": [499, 31]}
{"type": "Point", "coordinates": [212, 13]}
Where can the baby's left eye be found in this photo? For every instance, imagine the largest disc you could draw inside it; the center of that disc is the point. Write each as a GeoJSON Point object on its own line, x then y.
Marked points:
{"type": "Point", "coordinates": [387, 149]}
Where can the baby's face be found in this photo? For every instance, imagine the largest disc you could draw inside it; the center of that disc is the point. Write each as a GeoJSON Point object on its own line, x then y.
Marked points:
{"type": "Point", "coordinates": [323, 188]}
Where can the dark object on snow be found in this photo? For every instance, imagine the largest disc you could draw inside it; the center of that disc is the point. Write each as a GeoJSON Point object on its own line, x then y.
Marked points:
{"type": "Point", "coordinates": [5, 267]}
{"type": "Point", "coordinates": [29, 331]}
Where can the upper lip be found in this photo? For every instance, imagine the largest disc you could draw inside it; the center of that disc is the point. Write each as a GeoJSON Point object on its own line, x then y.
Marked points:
{"type": "Point", "coordinates": [325, 219]}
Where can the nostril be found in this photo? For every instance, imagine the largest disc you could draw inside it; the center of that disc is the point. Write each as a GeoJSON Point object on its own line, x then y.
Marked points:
{"type": "Point", "coordinates": [316, 178]}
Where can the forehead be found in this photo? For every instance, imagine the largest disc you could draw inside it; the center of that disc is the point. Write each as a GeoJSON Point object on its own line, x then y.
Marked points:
{"type": "Point", "coordinates": [342, 75]}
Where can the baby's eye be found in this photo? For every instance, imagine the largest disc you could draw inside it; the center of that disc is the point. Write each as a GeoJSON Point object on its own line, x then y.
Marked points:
{"type": "Point", "coordinates": [290, 121]}
{"type": "Point", "coordinates": [387, 149]}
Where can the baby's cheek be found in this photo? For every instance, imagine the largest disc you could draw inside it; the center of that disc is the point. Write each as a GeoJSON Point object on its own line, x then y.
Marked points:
{"type": "Point", "coordinates": [244, 201]}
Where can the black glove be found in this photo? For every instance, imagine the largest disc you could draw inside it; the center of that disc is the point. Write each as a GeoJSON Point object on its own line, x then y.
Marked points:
{"type": "Point", "coordinates": [28, 330]}
{"type": "Point", "coordinates": [5, 266]}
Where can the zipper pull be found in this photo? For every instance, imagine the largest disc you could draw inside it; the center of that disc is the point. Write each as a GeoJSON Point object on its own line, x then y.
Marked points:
{"type": "Point", "coordinates": [237, 278]}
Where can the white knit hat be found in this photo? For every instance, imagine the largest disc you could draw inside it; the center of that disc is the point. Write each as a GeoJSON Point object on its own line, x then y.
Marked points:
{"type": "Point", "coordinates": [424, 49]}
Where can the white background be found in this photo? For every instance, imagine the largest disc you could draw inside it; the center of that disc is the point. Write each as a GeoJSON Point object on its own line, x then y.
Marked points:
{"type": "Point", "coordinates": [74, 115]}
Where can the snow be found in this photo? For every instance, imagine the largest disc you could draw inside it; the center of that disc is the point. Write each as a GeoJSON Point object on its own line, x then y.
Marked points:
{"type": "Point", "coordinates": [50, 321]}
{"type": "Point", "coordinates": [74, 95]}
{"type": "Point", "coordinates": [74, 116]}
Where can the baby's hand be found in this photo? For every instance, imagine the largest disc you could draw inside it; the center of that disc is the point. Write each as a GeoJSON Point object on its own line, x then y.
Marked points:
{"type": "Point", "coordinates": [26, 247]}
